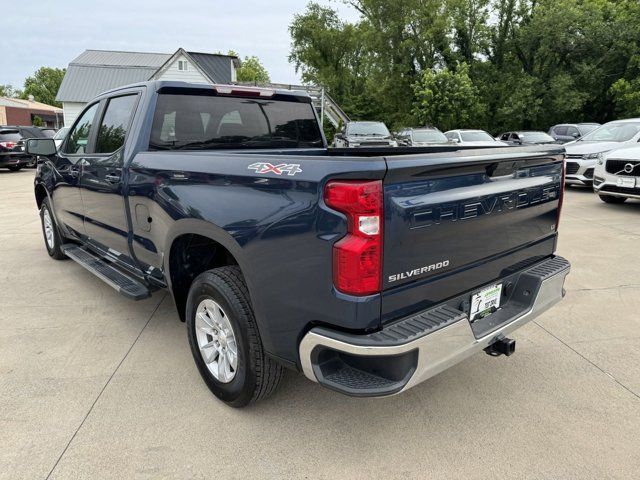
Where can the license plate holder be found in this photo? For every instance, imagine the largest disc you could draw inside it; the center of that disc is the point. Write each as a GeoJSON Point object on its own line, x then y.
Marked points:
{"type": "Point", "coordinates": [629, 182]}
{"type": "Point", "coordinates": [485, 302]}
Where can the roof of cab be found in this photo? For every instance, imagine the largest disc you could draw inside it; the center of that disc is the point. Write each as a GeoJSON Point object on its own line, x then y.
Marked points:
{"type": "Point", "coordinates": [157, 85]}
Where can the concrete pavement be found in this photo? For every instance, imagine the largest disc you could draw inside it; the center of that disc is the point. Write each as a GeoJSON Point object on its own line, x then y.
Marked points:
{"type": "Point", "coordinates": [93, 385]}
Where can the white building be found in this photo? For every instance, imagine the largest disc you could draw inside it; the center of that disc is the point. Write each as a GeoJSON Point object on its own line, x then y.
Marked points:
{"type": "Point", "coordinates": [96, 71]}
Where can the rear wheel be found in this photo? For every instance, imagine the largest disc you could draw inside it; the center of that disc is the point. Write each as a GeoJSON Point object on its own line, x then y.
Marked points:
{"type": "Point", "coordinates": [225, 341]}
{"type": "Point", "coordinates": [52, 237]}
{"type": "Point", "coordinates": [15, 168]}
{"type": "Point", "coordinates": [612, 199]}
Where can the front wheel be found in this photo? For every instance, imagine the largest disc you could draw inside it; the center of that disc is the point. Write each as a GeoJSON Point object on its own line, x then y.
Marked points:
{"type": "Point", "coordinates": [52, 238]}
{"type": "Point", "coordinates": [612, 199]}
{"type": "Point", "coordinates": [225, 341]}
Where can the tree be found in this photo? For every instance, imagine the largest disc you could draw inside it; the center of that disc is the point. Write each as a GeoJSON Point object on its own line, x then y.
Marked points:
{"type": "Point", "coordinates": [531, 63]}
{"type": "Point", "coordinates": [448, 99]}
{"type": "Point", "coordinates": [37, 121]}
{"type": "Point", "coordinates": [9, 91]}
{"type": "Point", "coordinates": [253, 71]}
{"type": "Point", "coordinates": [626, 95]}
{"type": "Point", "coordinates": [44, 85]}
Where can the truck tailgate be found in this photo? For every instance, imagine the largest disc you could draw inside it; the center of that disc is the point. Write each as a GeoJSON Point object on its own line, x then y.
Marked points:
{"type": "Point", "coordinates": [457, 221]}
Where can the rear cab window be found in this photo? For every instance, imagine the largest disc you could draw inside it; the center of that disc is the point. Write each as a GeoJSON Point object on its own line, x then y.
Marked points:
{"type": "Point", "coordinates": [184, 121]}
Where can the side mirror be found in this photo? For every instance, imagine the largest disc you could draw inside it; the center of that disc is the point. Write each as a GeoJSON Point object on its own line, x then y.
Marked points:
{"type": "Point", "coordinates": [575, 135]}
{"type": "Point", "coordinates": [455, 140]}
{"type": "Point", "coordinates": [41, 146]}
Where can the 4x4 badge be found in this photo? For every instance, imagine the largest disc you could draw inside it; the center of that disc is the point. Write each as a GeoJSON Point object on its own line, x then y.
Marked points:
{"type": "Point", "coordinates": [289, 168]}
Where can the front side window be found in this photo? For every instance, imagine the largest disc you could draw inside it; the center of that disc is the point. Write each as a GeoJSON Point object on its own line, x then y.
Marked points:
{"type": "Point", "coordinates": [115, 123]}
{"type": "Point", "coordinates": [79, 135]}
{"type": "Point", "coordinates": [202, 122]}
{"type": "Point", "coordinates": [560, 130]}
{"type": "Point", "coordinates": [573, 131]}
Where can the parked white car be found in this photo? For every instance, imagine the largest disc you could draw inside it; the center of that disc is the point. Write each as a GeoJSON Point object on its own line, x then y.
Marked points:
{"type": "Point", "coordinates": [60, 135]}
{"type": "Point", "coordinates": [582, 154]}
{"type": "Point", "coordinates": [617, 175]}
{"type": "Point", "coordinates": [473, 138]}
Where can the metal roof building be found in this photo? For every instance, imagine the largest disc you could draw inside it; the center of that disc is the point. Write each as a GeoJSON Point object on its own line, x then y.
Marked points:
{"type": "Point", "coordinates": [95, 71]}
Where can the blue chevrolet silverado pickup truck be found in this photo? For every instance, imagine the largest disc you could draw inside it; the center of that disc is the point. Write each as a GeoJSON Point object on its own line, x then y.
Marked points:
{"type": "Point", "coordinates": [368, 270]}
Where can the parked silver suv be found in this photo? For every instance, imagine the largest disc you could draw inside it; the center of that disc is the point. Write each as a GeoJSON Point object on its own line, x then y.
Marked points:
{"type": "Point", "coordinates": [582, 154]}
{"type": "Point", "coordinates": [568, 132]}
{"type": "Point", "coordinates": [617, 175]}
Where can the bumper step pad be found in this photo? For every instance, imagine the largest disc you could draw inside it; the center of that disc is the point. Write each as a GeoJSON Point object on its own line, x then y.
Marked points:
{"type": "Point", "coordinates": [116, 279]}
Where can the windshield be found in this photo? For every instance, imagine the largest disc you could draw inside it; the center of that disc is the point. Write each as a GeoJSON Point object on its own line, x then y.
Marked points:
{"type": "Point", "coordinates": [613, 132]}
{"type": "Point", "coordinates": [536, 137]}
{"type": "Point", "coordinates": [429, 136]}
{"type": "Point", "coordinates": [197, 122]}
{"type": "Point", "coordinates": [476, 136]}
{"type": "Point", "coordinates": [584, 129]}
{"type": "Point", "coordinates": [60, 134]}
{"type": "Point", "coordinates": [368, 128]}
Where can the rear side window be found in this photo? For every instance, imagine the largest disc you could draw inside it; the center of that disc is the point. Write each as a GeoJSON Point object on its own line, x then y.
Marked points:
{"type": "Point", "coordinates": [115, 123]}
{"type": "Point", "coordinates": [560, 130]}
{"type": "Point", "coordinates": [79, 135]}
{"type": "Point", "coordinates": [183, 121]}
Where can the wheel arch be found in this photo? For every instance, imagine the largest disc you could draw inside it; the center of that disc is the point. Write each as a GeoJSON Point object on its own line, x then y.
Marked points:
{"type": "Point", "coordinates": [41, 193]}
{"type": "Point", "coordinates": [192, 247]}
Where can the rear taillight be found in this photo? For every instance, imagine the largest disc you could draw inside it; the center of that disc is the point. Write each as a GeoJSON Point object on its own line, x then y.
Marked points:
{"type": "Point", "coordinates": [561, 199]}
{"type": "Point", "coordinates": [8, 144]}
{"type": "Point", "coordinates": [357, 258]}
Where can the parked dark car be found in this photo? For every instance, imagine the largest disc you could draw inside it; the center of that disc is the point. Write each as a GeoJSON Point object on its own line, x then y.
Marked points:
{"type": "Point", "coordinates": [364, 134]}
{"type": "Point", "coordinates": [526, 137]}
{"type": "Point", "coordinates": [369, 270]}
{"type": "Point", "coordinates": [12, 140]}
{"type": "Point", "coordinates": [420, 137]}
{"type": "Point", "coordinates": [568, 132]}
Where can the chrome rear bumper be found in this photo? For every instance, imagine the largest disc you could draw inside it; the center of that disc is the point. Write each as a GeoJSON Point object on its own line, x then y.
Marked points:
{"type": "Point", "coordinates": [428, 352]}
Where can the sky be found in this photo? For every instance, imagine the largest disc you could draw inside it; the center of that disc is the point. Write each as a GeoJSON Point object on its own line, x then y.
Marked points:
{"type": "Point", "coordinates": [52, 33]}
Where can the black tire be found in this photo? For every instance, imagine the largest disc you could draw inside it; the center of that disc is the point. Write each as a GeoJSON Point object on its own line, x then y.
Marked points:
{"type": "Point", "coordinates": [55, 250]}
{"type": "Point", "coordinates": [612, 199]}
{"type": "Point", "coordinates": [15, 168]}
{"type": "Point", "coordinates": [256, 375]}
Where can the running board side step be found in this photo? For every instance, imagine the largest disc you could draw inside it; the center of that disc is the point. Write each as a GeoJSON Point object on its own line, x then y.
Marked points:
{"type": "Point", "coordinates": [116, 279]}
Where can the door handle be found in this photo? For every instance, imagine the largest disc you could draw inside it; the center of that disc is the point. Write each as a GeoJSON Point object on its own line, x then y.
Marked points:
{"type": "Point", "coordinates": [112, 177]}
